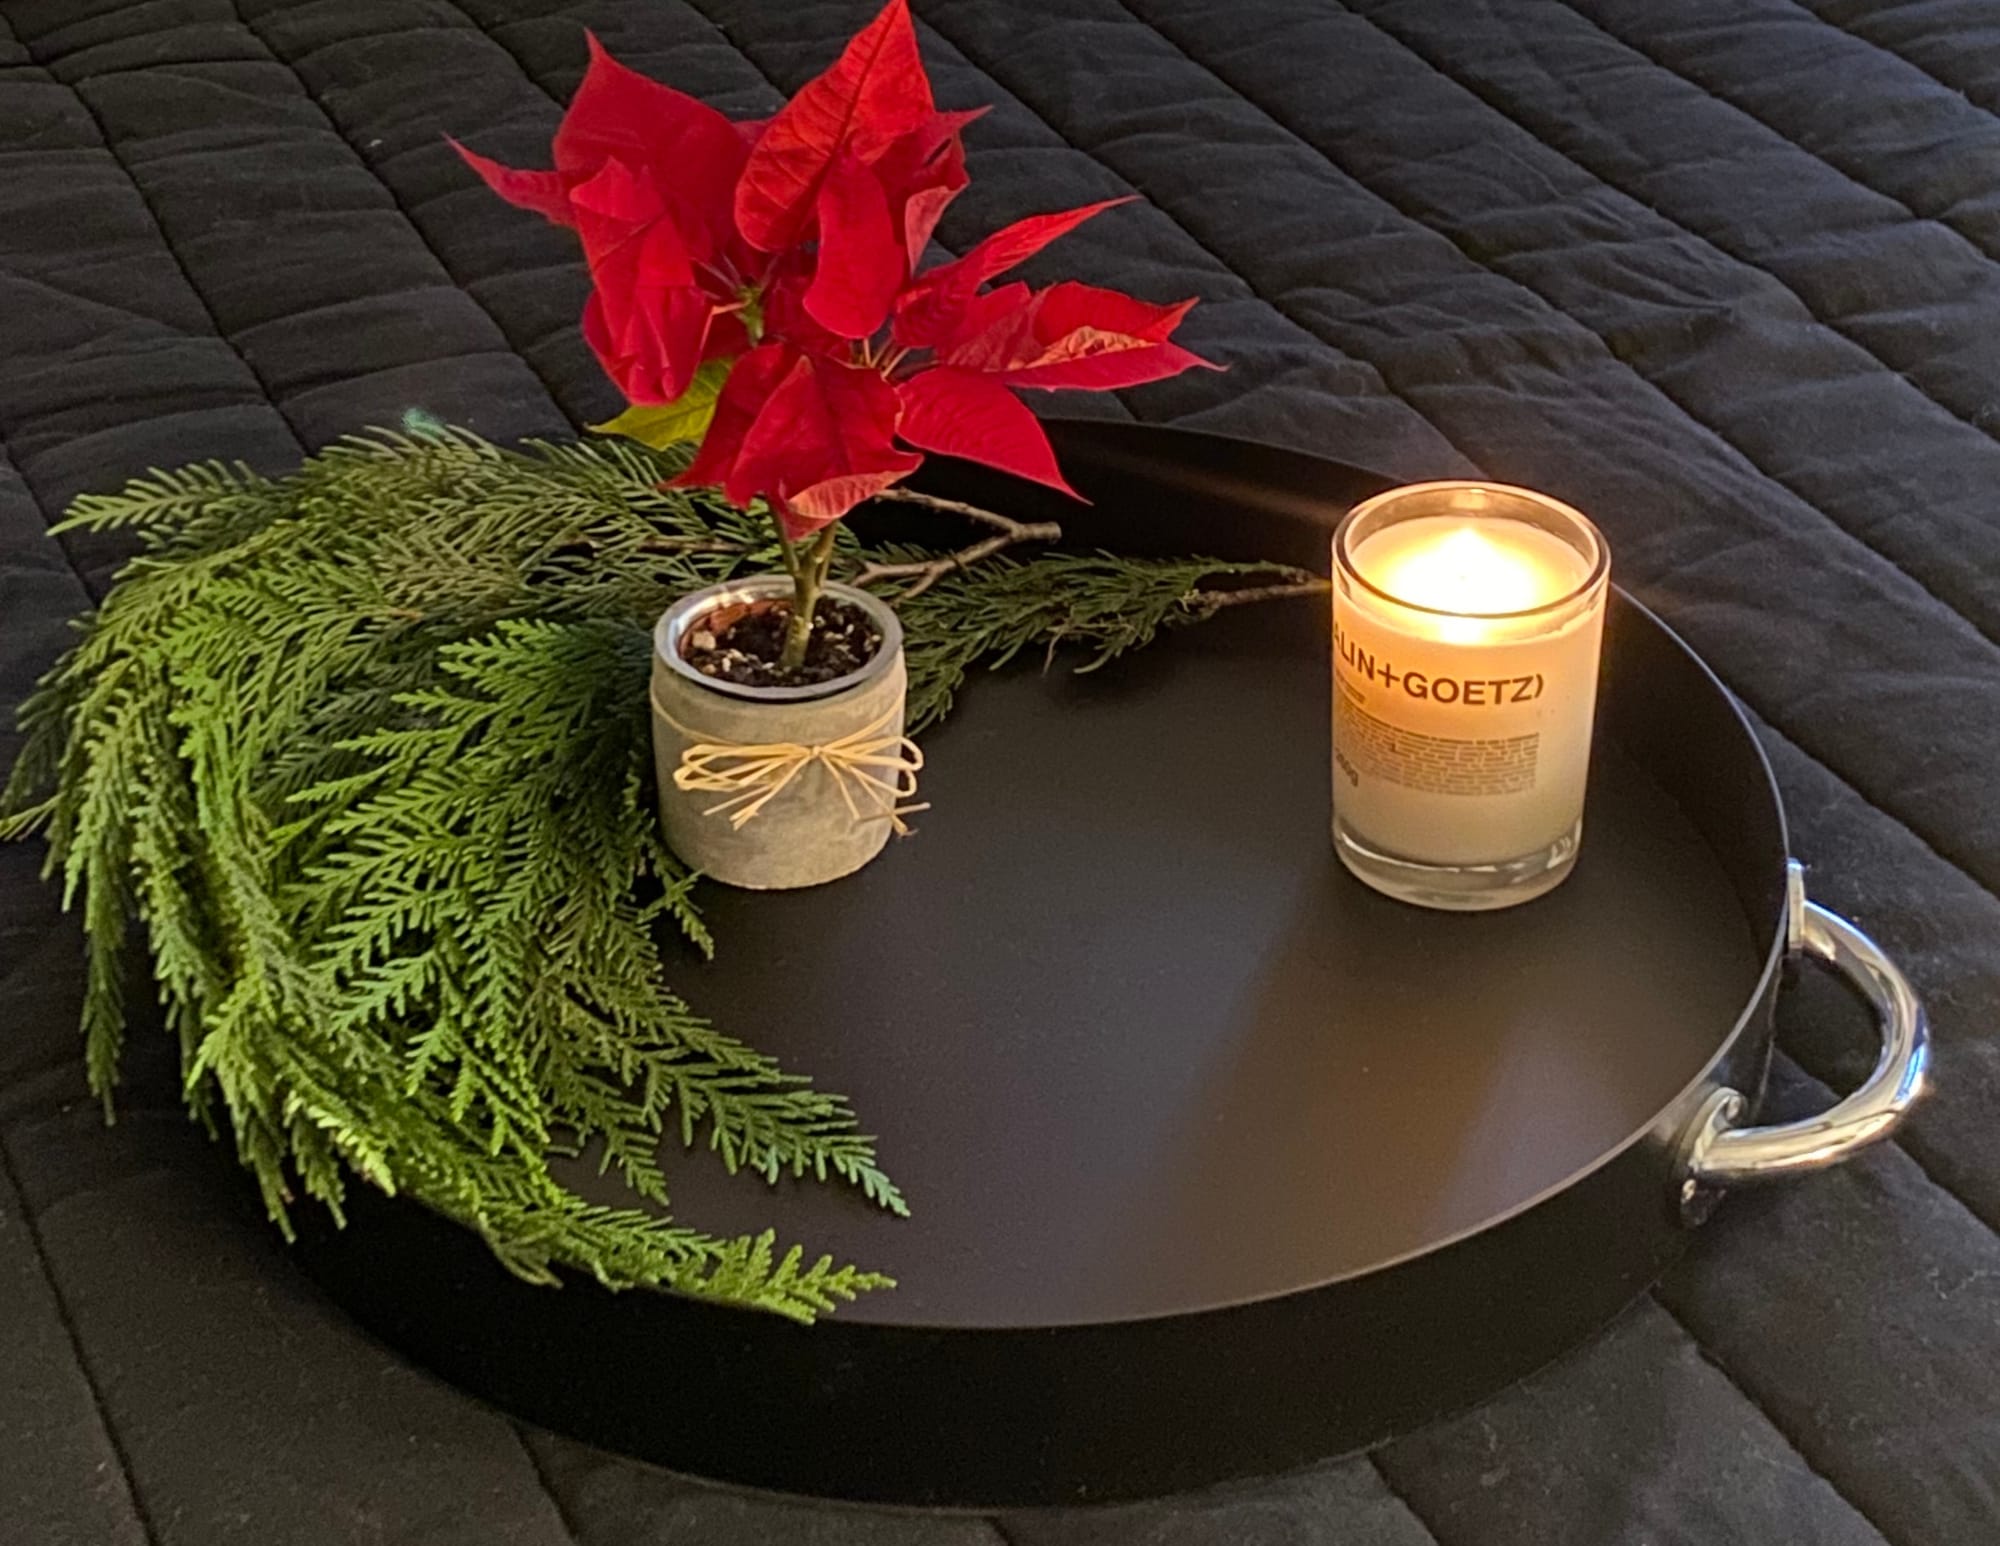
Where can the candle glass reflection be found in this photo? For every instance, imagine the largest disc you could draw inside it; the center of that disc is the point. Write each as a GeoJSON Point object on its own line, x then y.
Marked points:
{"type": "Point", "coordinates": [1467, 619]}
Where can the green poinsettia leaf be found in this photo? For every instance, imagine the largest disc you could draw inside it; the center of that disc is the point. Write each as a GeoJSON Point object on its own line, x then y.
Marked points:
{"type": "Point", "coordinates": [660, 425]}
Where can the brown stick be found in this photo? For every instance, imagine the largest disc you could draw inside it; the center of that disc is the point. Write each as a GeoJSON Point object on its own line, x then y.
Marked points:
{"type": "Point", "coordinates": [924, 573]}
{"type": "Point", "coordinates": [1216, 600]}
{"type": "Point", "coordinates": [910, 496]}
{"type": "Point", "coordinates": [927, 572]}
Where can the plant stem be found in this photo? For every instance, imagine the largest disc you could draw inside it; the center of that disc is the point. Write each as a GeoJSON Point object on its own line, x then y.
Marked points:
{"type": "Point", "coordinates": [808, 580]}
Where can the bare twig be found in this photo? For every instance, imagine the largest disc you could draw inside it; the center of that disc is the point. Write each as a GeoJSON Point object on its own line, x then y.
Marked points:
{"type": "Point", "coordinates": [910, 496]}
{"type": "Point", "coordinates": [927, 573]}
{"type": "Point", "coordinates": [924, 573]}
{"type": "Point", "coordinates": [1216, 600]}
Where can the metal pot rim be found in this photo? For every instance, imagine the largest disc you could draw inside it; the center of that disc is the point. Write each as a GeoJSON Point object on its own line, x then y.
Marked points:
{"type": "Point", "coordinates": [675, 622]}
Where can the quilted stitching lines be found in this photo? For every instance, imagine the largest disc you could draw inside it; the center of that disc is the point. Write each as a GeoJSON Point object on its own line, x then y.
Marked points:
{"type": "Point", "coordinates": [337, 128]}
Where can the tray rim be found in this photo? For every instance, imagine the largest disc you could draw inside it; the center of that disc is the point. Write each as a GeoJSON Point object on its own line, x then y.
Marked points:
{"type": "Point", "coordinates": [449, 1307]}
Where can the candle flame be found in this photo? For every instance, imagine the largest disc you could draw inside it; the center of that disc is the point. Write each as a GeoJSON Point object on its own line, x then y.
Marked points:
{"type": "Point", "coordinates": [1466, 571]}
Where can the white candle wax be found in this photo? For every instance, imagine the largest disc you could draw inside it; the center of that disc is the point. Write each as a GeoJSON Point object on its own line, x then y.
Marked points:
{"type": "Point", "coordinates": [1465, 682]}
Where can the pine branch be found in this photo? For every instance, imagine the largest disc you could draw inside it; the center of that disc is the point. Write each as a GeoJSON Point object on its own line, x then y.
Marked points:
{"type": "Point", "coordinates": [1102, 604]}
{"type": "Point", "coordinates": [365, 751]}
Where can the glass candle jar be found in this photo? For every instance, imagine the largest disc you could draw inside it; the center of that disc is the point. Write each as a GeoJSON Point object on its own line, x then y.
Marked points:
{"type": "Point", "coordinates": [1467, 619]}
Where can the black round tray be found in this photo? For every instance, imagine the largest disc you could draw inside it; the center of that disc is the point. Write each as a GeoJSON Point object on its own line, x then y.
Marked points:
{"type": "Point", "coordinates": [1219, 1161]}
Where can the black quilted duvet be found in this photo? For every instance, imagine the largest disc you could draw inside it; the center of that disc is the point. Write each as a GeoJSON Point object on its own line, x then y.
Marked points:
{"type": "Point", "coordinates": [1725, 273]}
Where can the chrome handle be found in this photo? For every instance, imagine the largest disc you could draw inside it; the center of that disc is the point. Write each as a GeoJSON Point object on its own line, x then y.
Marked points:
{"type": "Point", "coordinates": [1721, 1154]}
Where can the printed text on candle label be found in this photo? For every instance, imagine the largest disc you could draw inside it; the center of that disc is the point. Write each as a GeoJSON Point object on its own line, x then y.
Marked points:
{"type": "Point", "coordinates": [1431, 764]}
{"type": "Point", "coordinates": [1472, 691]}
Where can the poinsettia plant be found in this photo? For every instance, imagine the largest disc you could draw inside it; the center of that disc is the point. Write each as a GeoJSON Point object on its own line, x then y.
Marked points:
{"type": "Point", "coordinates": [756, 285]}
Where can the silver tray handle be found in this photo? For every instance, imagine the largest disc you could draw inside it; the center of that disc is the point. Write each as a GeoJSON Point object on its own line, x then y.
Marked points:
{"type": "Point", "coordinates": [1721, 1154]}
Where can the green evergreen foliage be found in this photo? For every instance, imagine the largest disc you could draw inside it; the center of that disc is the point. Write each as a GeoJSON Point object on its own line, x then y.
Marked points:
{"type": "Point", "coordinates": [1098, 604]}
{"type": "Point", "coordinates": [365, 753]}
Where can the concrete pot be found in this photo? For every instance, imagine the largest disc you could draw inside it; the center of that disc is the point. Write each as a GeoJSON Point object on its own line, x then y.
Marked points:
{"type": "Point", "coordinates": [773, 788]}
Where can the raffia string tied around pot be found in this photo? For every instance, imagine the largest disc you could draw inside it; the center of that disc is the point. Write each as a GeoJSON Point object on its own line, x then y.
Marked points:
{"type": "Point", "coordinates": [869, 767]}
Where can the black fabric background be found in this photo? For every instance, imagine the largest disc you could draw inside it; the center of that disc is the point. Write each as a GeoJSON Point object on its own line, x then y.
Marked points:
{"type": "Point", "coordinates": [1725, 273]}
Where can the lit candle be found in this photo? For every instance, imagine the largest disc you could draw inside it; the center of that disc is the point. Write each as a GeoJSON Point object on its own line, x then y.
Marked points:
{"type": "Point", "coordinates": [1467, 619]}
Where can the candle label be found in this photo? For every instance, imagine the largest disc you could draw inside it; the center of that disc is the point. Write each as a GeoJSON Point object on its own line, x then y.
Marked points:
{"type": "Point", "coordinates": [1433, 764]}
{"type": "Point", "coordinates": [1473, 692]}
{"type": "Point", "coordinates": [1446, 730]}
{"type": "Point", "coordinates": [1451, 750]}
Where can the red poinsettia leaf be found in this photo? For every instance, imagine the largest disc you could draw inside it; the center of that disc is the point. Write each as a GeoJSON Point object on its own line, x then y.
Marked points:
{"type": "Point", "coordinates": [893, 91]}
{"type": "Point", "coordinates": [689, 152]}
{"type": "Point", "coordinates": [627, 237]}
{"type": "Point", "coordinates": [861, 263]}
{"type": "Point", "coordinates": [744, 394]}
{"type": "Point", "coordinates": [616, 194]}
{"type": "Point", "coordinates": [524, 188]}
{"type": "Point", "coordinates": [651, 351]}
{"type": "Point", "coordinates": [679, 330]}
{"type": "Point", "coordinates": [826, 419]}
{"type": "Point", "coordinates": [653, 315]}
{"type": "Point", "coordinates": [875, 91]}
{"type": "Point", "coordinates": [823, 442]}
{"type": "Point", "coordinates": [946, 127]}
{"type": "Point", "coordinates": [928, 311]}
{"type": "Point", "coordinates": [1072, 305]}
{"type": "Point", "coordinates": [727, 337]}
{"type": "Point", "coordinates": [805, 512]}
{"type": "Point", "coordinates": [990, 332]}
{"type": "Point", "coordinates": [1098, 340]}
{"type": "Point", "coordinates": [923, 210]}
{"type": "Point", "coordinates": [1016, 243]}
{"type": "Point", "coordinates": [617, 112]}
{"type": "Point", "coordinates": [958, 413]}
{"type": "Point", "coordinates": [922, 172]}
{"type": "Point", "coordinates": [1094, 361]}
{"type": "Point", "coordinates": [597, 334]}
{"type": "Point", "coordinates": [785, 314]}
{"type": "Point", "coordinates": [659, 331]}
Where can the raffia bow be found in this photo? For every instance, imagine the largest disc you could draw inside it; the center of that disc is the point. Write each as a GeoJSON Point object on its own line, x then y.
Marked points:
{"type": "Point", "coordinates": [869, 767]}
